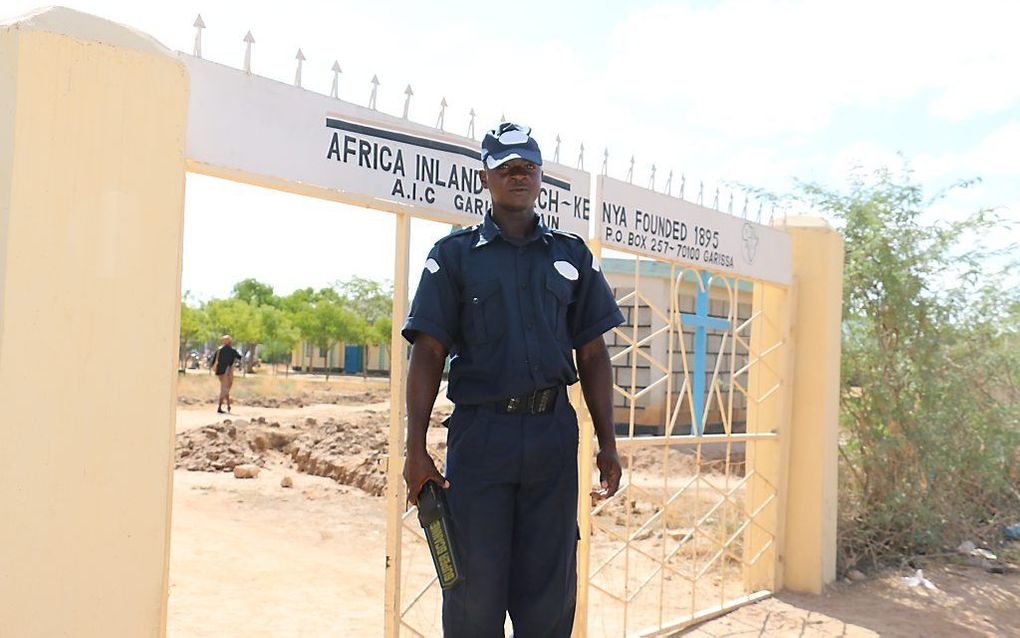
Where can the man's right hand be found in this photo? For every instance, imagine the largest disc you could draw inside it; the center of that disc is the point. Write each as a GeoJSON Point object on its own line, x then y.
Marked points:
{"type": "Point", "coordinates": [419, 468]}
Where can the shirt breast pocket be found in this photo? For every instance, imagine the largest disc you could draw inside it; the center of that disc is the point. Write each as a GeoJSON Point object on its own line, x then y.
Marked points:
{"type": "Point", "coordinates": [483, 312]}
{"type": "Point", "coordinates": [557, 298]}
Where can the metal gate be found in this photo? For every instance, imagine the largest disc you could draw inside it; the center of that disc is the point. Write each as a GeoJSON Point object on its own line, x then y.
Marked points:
{"type": "Point", "coordinates": [697, 386]}
{"type": "Point", "coordinates": [698, 398]}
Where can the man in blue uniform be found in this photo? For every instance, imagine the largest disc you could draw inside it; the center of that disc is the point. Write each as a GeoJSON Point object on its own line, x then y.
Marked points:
{"type": "Point", "coordinates": [511, 301]}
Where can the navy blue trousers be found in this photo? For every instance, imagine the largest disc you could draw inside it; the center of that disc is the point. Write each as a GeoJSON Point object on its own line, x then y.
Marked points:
{"type": "Point", "coordinates": [513, 498]}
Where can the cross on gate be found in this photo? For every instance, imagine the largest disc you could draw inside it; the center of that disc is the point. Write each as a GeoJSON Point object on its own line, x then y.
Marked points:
{"type": "Point", "coordinates": [701, 322]}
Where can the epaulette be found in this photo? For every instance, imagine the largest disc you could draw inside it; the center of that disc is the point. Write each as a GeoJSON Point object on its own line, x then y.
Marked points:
{"type": "Point", "coordinates": [564, 233]}
{"type": "Point", "coordinates": [458, 233]}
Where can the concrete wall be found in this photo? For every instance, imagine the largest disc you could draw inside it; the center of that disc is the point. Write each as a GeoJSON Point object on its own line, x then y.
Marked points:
{"type": "Point", "coordinates": [92, 125]}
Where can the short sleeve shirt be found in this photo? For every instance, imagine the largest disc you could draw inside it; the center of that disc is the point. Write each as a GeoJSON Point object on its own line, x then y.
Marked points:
{"type": "Point", "coordinates": [510, 315]}
{"type": "Point", "coordinates": [225, 358]}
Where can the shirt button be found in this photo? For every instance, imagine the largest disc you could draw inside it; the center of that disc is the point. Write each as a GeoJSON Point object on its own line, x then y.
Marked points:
{"type": "Point", "coordinates": [474, 300]}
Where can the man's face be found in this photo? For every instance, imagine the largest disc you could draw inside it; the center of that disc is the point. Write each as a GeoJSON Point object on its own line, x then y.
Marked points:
{"type": "Point", "coordinates": [226, 341]}
{"type": "Point", "coordinates": [513, 185]}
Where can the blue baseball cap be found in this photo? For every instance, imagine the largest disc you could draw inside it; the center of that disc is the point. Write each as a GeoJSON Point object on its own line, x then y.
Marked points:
{"type": "Point", "coordinates": [507, 142]}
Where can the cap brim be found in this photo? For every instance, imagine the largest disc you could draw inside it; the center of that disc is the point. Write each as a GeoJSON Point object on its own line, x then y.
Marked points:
{"type": "Point", "coordinates": [493, 161]}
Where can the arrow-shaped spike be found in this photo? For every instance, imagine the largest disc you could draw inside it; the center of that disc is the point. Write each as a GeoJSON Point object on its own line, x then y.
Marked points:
{"type": "Point", "coordinates": [375, 92]}
{"type": "Point", "coordinates": [651, 181]}
{"type": "Point", "coordinates": [758, 218]}
{"type": "Point", "coordinates": [199, 25]}
{"type": "Point", "coordinates": [605, 161]}
{"type": "Point", "coordinates": [744, 213]}
{"type": "Point", "coordinates": [502, 118]}
{"type": "Point", "coordinates": [335, 90]}
{"type": "Point", "coordinates": [669, 183]}
{"type": "Point", "coordinates": [683, 185]}
{"type": "Point", "coordinates": [407, 100]}
{"type": "Point", "coordinates": [556, 153]}
{"type": "Point", "coordinates": [300, 57]}
{"type": "Point", "coordinates": [442, 114]}
{"type": "Point", "coordinates": [249, 40]}
{"type": "Point", "coordinates": [715, 202]}
{"type": "Point", "coordinates": [471, 125]}
{"type": "Point", "coordinates": [630, 171]}
{"type": "Point", "coordinates": [580, 158]}
{"type": "Point", "coordinates": [701, 193]}
{"type": "Point", "coordinates": [729, 207]}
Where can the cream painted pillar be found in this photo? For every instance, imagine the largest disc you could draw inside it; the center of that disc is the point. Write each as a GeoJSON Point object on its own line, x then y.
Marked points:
{"type": "Point", "coordinates": [92, 123]}
{"type": "Point", "coordinates": [808, 551]}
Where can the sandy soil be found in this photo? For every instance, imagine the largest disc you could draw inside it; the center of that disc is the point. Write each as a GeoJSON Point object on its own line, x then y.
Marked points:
{"type": "Point", "coordinates": [969, 602]}
{"type": "Point", "coordinates": [251, 558]}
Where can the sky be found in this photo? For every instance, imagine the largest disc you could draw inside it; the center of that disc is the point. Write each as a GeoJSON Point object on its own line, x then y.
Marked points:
{"type": "Point", "coordinates": [756, 92]}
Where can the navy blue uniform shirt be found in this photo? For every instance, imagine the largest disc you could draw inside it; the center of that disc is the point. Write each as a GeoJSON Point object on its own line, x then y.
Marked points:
{"type": "Point", "coordinates": [510, 315]}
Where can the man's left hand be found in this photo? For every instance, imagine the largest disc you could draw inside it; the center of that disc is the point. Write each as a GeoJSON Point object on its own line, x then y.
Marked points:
{"type": "Point", "coordinates": [610, 472]}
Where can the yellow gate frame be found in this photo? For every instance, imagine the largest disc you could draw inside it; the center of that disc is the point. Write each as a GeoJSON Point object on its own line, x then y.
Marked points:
{"type": "Point", "coordinates": [93, 119]}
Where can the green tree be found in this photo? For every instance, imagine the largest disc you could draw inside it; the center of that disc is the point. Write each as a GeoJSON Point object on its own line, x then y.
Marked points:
{"type": "Point", "coordinates": [254, 293]}
{"type": "Point", "coordinates": [372, 301]}
{"type": "Point", "coordinates": [930, 441]}
{"type": "Point", "coordinates": [278, 335]}
{"type": "Point", "coordinates": [324, 323]}
{"type": "Point", "coordinates": [194, 330]}
{"type": "Point", "coordinates": [238, 319]}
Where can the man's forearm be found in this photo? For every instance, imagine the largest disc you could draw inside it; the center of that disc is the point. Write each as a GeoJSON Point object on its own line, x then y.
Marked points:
{"type": "Point", "coordinates": [596, 384]}
{"type": "Point", "coordinates": [424, 374]}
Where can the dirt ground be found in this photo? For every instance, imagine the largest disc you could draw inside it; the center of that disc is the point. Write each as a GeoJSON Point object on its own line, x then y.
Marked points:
{"type": "Point", "coordinates": [252, 558]}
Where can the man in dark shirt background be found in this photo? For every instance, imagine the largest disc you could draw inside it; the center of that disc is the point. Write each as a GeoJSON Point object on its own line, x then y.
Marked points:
{"type": "Point", "coordinates": [223, 365]}
{"type": "Point", "coordinates": [512, 302]}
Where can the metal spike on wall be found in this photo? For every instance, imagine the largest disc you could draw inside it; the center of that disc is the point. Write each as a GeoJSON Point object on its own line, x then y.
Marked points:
{"type": "Point", "coordinates": [669, 183]}
{"type": "Point", "coordinates": [683, 185]}
{"type": "Point", "coordinates": [300, 57]}
{"type": "Point", "coordinates": [471, 125]}
{"type": "Point", "coordinates": [580, 158]}
{"type": "Point", "coordinates": [630, 171]}
{"type": "Point", "coordinates": [441, 121]}
{"type": "Point", "coordinates": [199, 25]}
{"type": "Point", "coordinates": [715, 200]}
{"type": "Point", "coordinates": [758, 219]}
{"type": "Point", "coordinates": [605, 161]}
{"type": "Point", "coordinates": [556, 152]}
{"type": "Point", "coordinates": [651, 180]}
{"type": "Point", "coordinates": [335, 89]}
{"type": "Point", "coordinates": [729, 207]}
{"type": "Point", "coordinates": [407, 100]}
{"type": "Point", "coordinates": [502, 118]}
{"type": "Point", "coordinates": [249, 40]}
{"type": "Point", "coordinates": [772, 215]}
{"type": "Point", "coordinates": [701, 193]}
{"type": "Point", "coordinates": [744, 213]}
{"type": "Point", "coordinates": [375, 93]}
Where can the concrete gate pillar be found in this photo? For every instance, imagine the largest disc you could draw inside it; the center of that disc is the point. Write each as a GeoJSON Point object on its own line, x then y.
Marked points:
{"type": "Point", "coordinates": [92, 126]}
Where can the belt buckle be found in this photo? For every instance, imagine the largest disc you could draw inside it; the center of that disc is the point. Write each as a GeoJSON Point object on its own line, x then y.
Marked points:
{"type": "Point", "coordinates": [511, 405]}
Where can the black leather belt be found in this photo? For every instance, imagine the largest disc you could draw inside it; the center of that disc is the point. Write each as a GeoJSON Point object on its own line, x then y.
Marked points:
{"type": "Point", "coordinates": [538, 402]}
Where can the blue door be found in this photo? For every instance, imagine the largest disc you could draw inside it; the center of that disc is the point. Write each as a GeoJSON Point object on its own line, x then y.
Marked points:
{"type": "Point", "coordinates": [352, 359]}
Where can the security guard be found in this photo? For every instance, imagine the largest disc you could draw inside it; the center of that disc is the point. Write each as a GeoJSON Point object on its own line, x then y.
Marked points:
{"type": "Point", "coordinates": [511, 301]}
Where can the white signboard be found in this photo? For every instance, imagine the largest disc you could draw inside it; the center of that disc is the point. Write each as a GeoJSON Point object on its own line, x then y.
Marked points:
{"type": "Point", "coordinates": [257, 130]}
{"type": "Point", "coordinates": [647, 223]}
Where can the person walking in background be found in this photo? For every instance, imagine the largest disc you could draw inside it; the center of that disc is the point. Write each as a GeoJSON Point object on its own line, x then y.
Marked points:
{"type": "Point", "coordinates": [223, 365]}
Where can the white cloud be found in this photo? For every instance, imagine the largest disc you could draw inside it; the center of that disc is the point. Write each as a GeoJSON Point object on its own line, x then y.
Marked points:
{"type": "Point", "coordinates": [998, 154]}
{"type": "Point", "coordinates": [768, 66]}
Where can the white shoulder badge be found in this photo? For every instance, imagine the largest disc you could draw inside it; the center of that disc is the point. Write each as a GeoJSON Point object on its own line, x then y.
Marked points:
{"type": "Point", "coordinates": [432, 265]}
{"type": "Point", "coordinates": [595, 265]}
{"type": "Point", "coordinates": [566, 269]}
